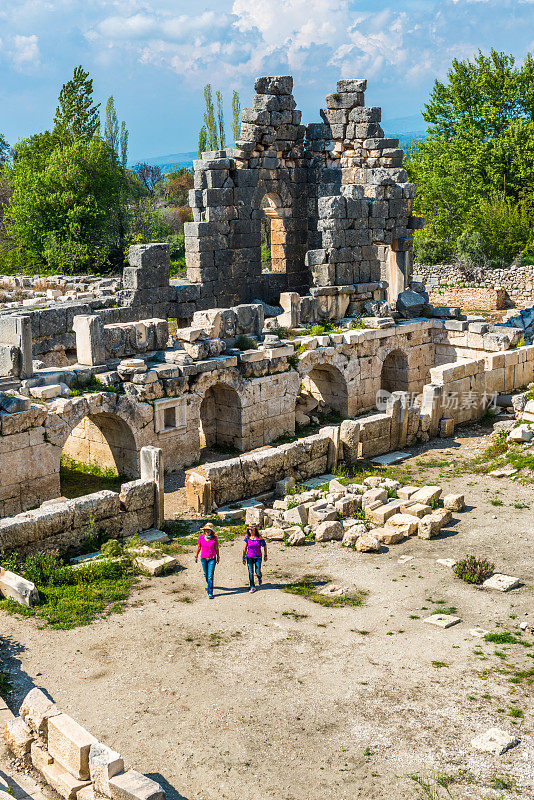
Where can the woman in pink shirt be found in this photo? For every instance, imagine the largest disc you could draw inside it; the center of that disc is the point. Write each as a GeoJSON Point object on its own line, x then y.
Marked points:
{"type": "Point", "coordinates": [208, 548]}
{"type": "Point", "coordinates": [252, 552]}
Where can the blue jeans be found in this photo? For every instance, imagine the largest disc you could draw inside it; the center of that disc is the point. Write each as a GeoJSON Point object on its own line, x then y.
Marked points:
{"type": "Point", "coordinates": [208, 565]}
{"type": "Point", "coordinates": [254, 564]}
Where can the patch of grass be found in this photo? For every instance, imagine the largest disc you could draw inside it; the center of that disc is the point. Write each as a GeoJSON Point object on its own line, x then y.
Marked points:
{"type": "Point", "coordinates": [505, 638]}
{"type": "Point", "coordinates": [71, 597]}
{"type": "Point", "coordinates": [495, 501]}
{"type": "Point", "coordinates": [515, 712]}
{"type": "Point", "coordinates": [294, 615]}
{"type": "Point", "coordinates": [309, 585]}
{"type": "Point", "coordinates": [439, 664]}
{"type": "Point", "coordinates": [473, 570]}
{"type": "Point", "coordinates": [501, 783]}
{"type": "Point", "coordinates": [78, 479]}
{"type": "Point", "coordinates": [246, 343]}
{"type": "Point", "coordinates": [94, 385]}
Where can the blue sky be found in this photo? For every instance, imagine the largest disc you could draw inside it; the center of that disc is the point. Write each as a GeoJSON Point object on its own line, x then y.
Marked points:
{"type": "Point", "coordinates": [155, 56]}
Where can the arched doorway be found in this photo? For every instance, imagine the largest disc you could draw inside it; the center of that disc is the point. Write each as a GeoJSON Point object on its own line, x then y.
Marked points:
{"type": "Point", "coordinates": [105, 441]}
{"type": "Point", "coordinates": [394, 376]}
{"type": "Point", "coordinates": [324, 392]}
{"type": "Point", "coordinates": [220, 418]}
{"type": "Point", "coordinates": [273, 234]}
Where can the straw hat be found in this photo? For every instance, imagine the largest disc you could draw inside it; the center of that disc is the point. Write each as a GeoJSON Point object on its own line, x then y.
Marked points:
{"type": "Point", "coordinates": [208, 527]}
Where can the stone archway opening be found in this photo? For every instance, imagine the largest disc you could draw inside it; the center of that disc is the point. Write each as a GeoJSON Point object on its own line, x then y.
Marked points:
{"type": "Point", "coordinates": [273, 234]}
{"type": "Point", "coordinates": [100, 446]}
{"type": "Point", "coordinates": [394, 377]}
{"type": "Point", "coordinates": [323, 393]}
{"type": "Point", "coordinates": [220, 419]}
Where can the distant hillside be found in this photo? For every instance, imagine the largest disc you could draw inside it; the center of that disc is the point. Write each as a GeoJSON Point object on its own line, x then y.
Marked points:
{"type": "Point", "coordinates": [173, 161]}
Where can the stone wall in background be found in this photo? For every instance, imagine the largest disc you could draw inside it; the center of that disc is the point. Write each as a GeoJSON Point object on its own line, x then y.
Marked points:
{"type": "Point", "coordinates": [518, 283]}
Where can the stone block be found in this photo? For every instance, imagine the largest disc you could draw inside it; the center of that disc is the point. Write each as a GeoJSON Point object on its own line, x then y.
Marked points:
{"type": "Point", "coordinates": [297, 515]}
{"type": "Point", "coordinates": [418, 510]}
{"type": "Point", "coordinates": [69, 745]}
{"type": "Point", "coordinates": [404, 523]}
{"type": "Point", "coordinates": [454, 502]}
{"type": "Point", "coordinates": [285, 486]}
{"type": "Point", "coordinates": [442, 620]}
{"type": "Point", "coordinates": [495, 741]}
{"type": "Point", "coordinates": [329, 531]}
{"type": "Point", "coordinates": [427, 495]}
{"type": "Point", "coordinates": [136, 494]}
{"type": "Point", "coordinates": [430, 525]}
{"type": "Point", "coordinates": [18, 737]}
{"type": "Point", "coordinates": [156, 566]}
{"type": "Point", "coordinates": [40, 757]}
{"type": "Point", "coordinates": [254, 515]}
{"type": "Point", "coordinates": [104, 764]}
{"type": "Point", "coordinates": [348, 506]}
{"type": "Point", "coordinates": [17, 588]}
{"type": "Point", "coordinates": [131, 785]}
{"type": "Point", "coordinates": [502, 583]}
{"type": "Point", "coordinates": [62, 781]}
{"type": "Point", "coordinates": [36, 709]}
{"type": "Point", "coordinates": [352, 534]}
{"type": "Point", "coordinates": [388, 536]}
{"type": "Point", "coordinates": [297, 538]}
{"type": "Point", "coordinates": [407, 492]}
{"type": "Point", "coordinates": [374, 496]}
{"type": "Point", "coordinates": [380, 515]}
{"type": "Point", "coordinates": [367, 543]}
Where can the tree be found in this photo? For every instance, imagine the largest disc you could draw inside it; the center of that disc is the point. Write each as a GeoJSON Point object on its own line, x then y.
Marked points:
{"type": "Point", "coordinates": [76, 117]}
{"type": "Point", "coordinates": [236, 115]}
{"type": "Point", "coordinates": [4, 150]}
{"type": "Point", "coordinates": [147, 175]}
{"type": "Point", "coordinates": [123, 143]}
{"type": "Point", "coordinates": [220, 120]}
{"type": "Point", "coordinates": [479, 146]}
{"type": "Point", "coordinates": [64, 214]}
{"type": "Point", "coordinates": [111, 126]}
{"type": "Point", "coordinates": [176, 186]}
{"type": "Point", "coordinates": [209, 120]}
{"type": "Point", "coordinates": [202, 141]}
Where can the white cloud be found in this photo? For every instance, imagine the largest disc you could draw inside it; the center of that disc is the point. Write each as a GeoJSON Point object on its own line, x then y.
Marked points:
{"type": "Point", "coordinates": [25, 50]}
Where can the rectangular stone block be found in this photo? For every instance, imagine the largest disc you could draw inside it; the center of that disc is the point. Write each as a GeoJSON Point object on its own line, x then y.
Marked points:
{"type": "Point", "coordinates": [62, 781]}
{"type": "Point", "coordinates": [69, 744]}
{"type": "Point", "coordinates": [104, 764]}
{"type": "Point", "coordinates": [131, 785]}
{"type": "Point", "coordinates": [36, 709]}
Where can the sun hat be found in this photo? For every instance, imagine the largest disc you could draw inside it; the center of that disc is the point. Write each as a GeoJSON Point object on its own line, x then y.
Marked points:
{"type": "Point", "coordinates": [208, 527]}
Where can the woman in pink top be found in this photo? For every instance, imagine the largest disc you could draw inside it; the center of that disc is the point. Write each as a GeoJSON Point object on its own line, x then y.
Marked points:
{"type": "Point", "coordinates": [208, 548]}
{"type": "Point", "coordinates": [252, 552]}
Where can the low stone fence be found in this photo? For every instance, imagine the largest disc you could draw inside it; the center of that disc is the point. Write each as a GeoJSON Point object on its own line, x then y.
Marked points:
{"type": "Point", "coordinates": [470, 297]}
{"type": "Point", "coordinates": [65, 525]}
{"type": "Point", "coordinates": [69, 758]}
{"type": "Point", "coordinates": [517, 282]}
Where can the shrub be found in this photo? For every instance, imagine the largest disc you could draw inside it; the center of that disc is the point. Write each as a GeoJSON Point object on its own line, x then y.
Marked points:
{"type": "Point", "coordinates": [430, 249]}
{"type": "Point", "coordinates": [246, 343]}
{"type": "Point", "coordinates": [473, 570]}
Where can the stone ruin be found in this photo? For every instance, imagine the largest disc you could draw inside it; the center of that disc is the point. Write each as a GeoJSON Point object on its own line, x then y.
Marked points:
{"type": "Point", "coordinates": [230, 358]}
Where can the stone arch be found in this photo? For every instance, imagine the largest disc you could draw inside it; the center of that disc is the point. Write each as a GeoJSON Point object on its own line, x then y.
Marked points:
{"type": "Point", "coordinates": [220, 417]}
{"type": "Point", "coordinates": [323, 391]}
{"type": "Point", "coordinates": [395, 372]}
{"type": "Point", "coordinates": [104, 439]}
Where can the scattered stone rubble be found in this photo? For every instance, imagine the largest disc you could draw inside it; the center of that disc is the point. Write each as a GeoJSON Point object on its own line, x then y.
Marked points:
{"type": "Point", "coordinates": [68, 757]}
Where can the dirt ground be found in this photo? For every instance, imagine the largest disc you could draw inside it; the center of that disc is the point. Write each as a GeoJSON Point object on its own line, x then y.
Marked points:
{"type": "Point", "coordinates": [271, 696]}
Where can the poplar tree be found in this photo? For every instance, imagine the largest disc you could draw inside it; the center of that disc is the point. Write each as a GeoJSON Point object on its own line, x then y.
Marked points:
{"type": "Point", "coordinates": [209, 120]}
{"type": "Point", "coordinates": [236, 115]}
{"type": "Point", "coordinates": [220, 120]}
{"type": "Point", "coordinates": [202, 141]}
{"type": "Point", "coordinates": [123, 142]}
{"type": "Point", "coordinates": [111, 126]}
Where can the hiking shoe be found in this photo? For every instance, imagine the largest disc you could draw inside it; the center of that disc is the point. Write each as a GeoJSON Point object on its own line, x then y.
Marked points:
{"type": "Point", "coordinates": [210, 596]}
{"type": "Point", "coordinates": [252, 590]}
{"type": "Point", "coordinates": [260, 581]}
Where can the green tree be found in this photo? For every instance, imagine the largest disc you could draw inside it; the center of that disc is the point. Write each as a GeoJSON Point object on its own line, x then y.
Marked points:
{"type": "Point", "coordinates": [202, 141]}
{"type": "Point", "coordinates": [220, 120]}
{"type": "Point", "coordinates": [76, 117]}
{"type": "Point", "coordinates": [111, 126]}
{"type": "Point", "coordinates": [123, 143]}
{"type": "Point", "coordinates": [63, 215]}
{"type": "Point", "coordinates": [480, 146]}
{"type": "Point", "coordinates": [236, 115]}
{"type": "Point", "coordinates": [4, 150]}
{"type": "Point", "coordinates": [209, 120]}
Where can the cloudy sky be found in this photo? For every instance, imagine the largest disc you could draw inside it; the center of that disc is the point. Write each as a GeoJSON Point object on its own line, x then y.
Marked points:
{"type": "Point", "coordinates": [154, 56]}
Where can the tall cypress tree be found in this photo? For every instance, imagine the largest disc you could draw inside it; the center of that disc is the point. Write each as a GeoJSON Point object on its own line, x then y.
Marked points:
{"type": "Point", "coordinates": [202, 141]}
{"type": "Point", "coordinates": [123, 141]}
{"type": "Point", "coordinates": [209, 120]}
{"type": "Point", "coordinates": [111, 126]}
{"type": "Point", "coordinates": [220, 120]}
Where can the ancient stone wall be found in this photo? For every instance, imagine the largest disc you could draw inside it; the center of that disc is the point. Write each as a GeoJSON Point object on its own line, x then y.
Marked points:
{"type": "Point", "coordinates": [517, 281]}
{"type": "Point", "coordinates": [334, 195]}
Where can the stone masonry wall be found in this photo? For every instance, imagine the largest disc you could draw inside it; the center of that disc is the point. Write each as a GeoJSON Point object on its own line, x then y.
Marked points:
{"type": "Point", "coordinates": [518, 281]}
{"type": "Point", "coordinates": [64, 525]}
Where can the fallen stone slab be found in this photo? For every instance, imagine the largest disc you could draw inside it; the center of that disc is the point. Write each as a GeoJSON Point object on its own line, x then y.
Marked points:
{"type": "Point", "coordinates": [446, 562]}
{"type": "Point", "coordinates": [523, 433]}
{"type": "Point", "coordinates": [454, 502]}
{"type": "Point", "coordinates": [389, 458]}
{"type": "Point", "coordinates": [442, 620]}
{"type": "Point", "coordinates": [427, 495]}
{"type": "Point", "coordinates": [404, 559]}
{"type": "Point", "coordinates": [406, 492]}
{"type": "Point", "coordinates": [231, 514]}
{"type": "Point", "coordinates": [478, 632]}
{"type": "Point", "coordinates": [18, 737]}
{"type": "Point", "coordinates": [131, 785]}
{"type": "Point", "coordinates": [153, 535]}
{"type": "Point", "coordinates": [296, 539]}
{"type": "Point", "coordinates": [368, 544]}
{"type": "Point", "coordinates": [62, 781]}
{"type": "Point", "coordinates": [274, 534]}
{"type": "Point", "coordinates": [505, 472]}
{"type": "Point", "coordinates": [14, 587]}
{"type": "Point", "coordinates": [69, 744]}
{"type": "Point", "coordinates": [155, 566]}
{"type": "Point", "coordinates": [329, 531]}
{"type": "Point", "coordinates": [36, 710]}
{"type": "Point", "coordinates": [501, 583]}
{"type": "Point", "coordinates": [312, 483]}
{"type": "Point", "coordinates": [495, 741]}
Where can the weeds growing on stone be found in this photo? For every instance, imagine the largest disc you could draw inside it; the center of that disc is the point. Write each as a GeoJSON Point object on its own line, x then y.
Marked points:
{"type": "Point", "coordinates": [310, 585]}
{"type": "Point", "coordinates": [473, 570]}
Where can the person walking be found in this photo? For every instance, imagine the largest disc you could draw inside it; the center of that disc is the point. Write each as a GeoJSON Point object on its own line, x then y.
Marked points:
{"type": "Point", "coordinates": [252, 554]}
{"type": "Point", "coordinates": [208, 548]}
